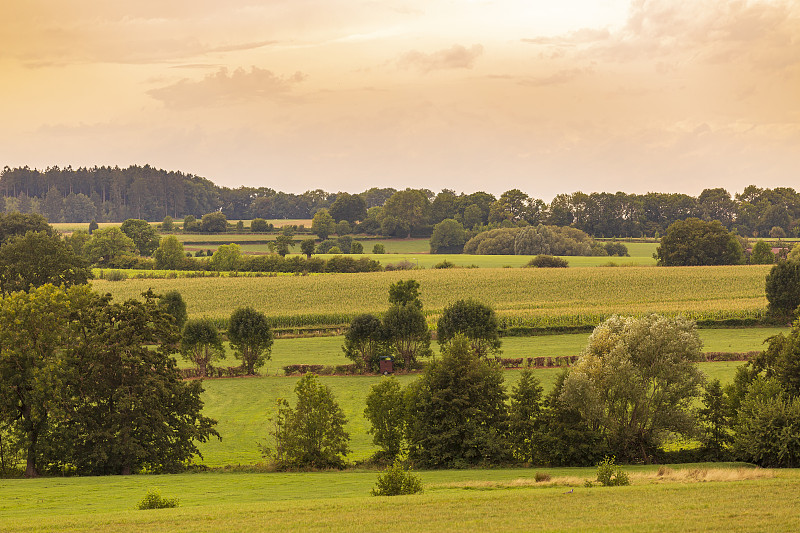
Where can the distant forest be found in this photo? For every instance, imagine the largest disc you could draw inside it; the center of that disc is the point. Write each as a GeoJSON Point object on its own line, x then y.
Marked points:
{"type": "Point", "coordinates": [107, 194]}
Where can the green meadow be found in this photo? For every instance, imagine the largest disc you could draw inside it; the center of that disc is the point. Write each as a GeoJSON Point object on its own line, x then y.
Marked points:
{"type": "Point", "coordinates": [458, 500]}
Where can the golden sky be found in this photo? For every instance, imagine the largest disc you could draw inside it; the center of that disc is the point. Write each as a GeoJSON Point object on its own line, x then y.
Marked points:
{"type": "Point", "coordinates": [545, 96]}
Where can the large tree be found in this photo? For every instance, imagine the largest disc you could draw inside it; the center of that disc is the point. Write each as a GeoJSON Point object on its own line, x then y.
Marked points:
{"type": "Point", "coordinates": [170, 254]}
{"type": "Point", "coordinates": [130, 410]}
{"type": "Point", "coordinates": [783, 288]}
{"type": "Point", "coordinates": [456, 411]}
{"type": "Point", "coordinates": [636, 381]}
{"type": "Point", "coordinates": [385, 410]}
{"type": "Point", "coordinates": [349, 207]}
{"type": "Point", "coordinates": [107, 246]}
{"type": "Point", "coordinates": [448, 237]}
{"type": "Point", "coordinates": [312, 434]}
{"type": "Point", "coordinates": [365, 341]}
{"type": "Point", "coordinates": [409, 208]}
{"type": "Point", "coordinates": [37, 258]}
{"type": "Point", "coordinates": [144, 236]}
{"type": "Point", "coordinates": [15, 224]}
{"type": "Point", "coordinates": [36, 333]}
{"type": "Point", "coordinates": [475, 321]}
{"type": "Point", "coordinates": [201, 343]}
{"type": "Point", "coordinates": [251, 338]}
{"type": "Point", "coordinates": [693, 242]}
{"type": "Point", "coordinates": [323, 224]}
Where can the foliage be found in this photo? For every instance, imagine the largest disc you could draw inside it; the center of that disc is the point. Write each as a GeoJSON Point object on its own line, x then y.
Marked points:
{"type": "Point", "coordinates": [36, 258]}
{"type": "Point", "coordinates": [397, 480]}
{"type": "Point", "coordinates": [323, 224]}
{"type": "Point", "coordinates": [551, 240]}
{"type": "Point", "coordinates": [456, 411]}
{"type": "Point", "coordinates": [107, 245]}
{"type": "Point", "coordinates": [168, 224]}
{"type": "Point", "coordinates": [173, 304]}
{"type": "Point", "coordinates": [307, 247]}
{"type": "Point", "coordinates": [348, 207]}
{"type": "Point", "coordinates": [170, 254]}
{"type": "Point", "coordinates": [783, 288]}
{"type": "Point", "coordinates": [18, 224]}
{"type": "Point", "coordinates": [762, 254]}
{"type": "Point", "coordinates": [715, 420]}
{"type": "Point", "coordinates": [378, 249]}
{"type": "Point", "coordinates": [526, 419]}
{"type": "Point", "coordinates": [385, 411]}
{"type": "Point", "coordinates": [143, 235]}
{"type": "Point", "coordinates": [365, 341]}
{"type": "Point", "coordinates": [694, 242]}
{"type": "Point", "coordinates": [312, 434]}
{"type": "Point", "coordinates": [405, 292]}
{"type": "Point", "coordinates": [616, 248]}
{"type": "Point", "coordinates": [215, 222]}
{"type": "Point", "coordinates": [201, 343]}
{"type": "Point", "coordinates": [227, 257]}
{"type": "Point", "coordinates": [190, 223]}
{"type": "Point", "coordinates": [548, 261]}
{"type": "Point", "coordinates": [282, 243]}
{"type": "Point", "coordinates": [124, 383]}
{"type": "Point", "coordinates": [251, 337]}
{"type": "Point", "coordinates": [154, 500]}
{"type": "Point", "coordinates": [407, 210]}
{"type": "Point", "coordinates": [609, 474]}
{"type": "Point", "coordinates": [356, 248]}
{"type": "Point", "coordinates": [406, 331]}
{"type": "Point", "coordinates": [259, 225]}
{"type": "Point", "coordinates": [474, 320]}
{"type": "Point", "coordinates": [636, 380]}
{"type": "Point", "coordinates": [448, 237]}
{"type": "Point", "coordinates": [767, 429]}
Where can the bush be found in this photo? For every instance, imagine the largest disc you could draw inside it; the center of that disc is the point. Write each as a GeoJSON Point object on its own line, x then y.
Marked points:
{"type": "Point", "coordinates": [444, 264]}
{"type": "Point", "coordinates": [115, 275]}
{"type": "Point", "coordinates": [405, 264]}
{"type": "Point", "coordinates": [397, 480]}
{"type": "Point", "coordinates": [154, 500]}
{"type": "Point", "coordinates": [610, 474]}
{"type": "Point", "coordinates": [379, 249]}
{"type": "Point", "coordinates": [547, 261]}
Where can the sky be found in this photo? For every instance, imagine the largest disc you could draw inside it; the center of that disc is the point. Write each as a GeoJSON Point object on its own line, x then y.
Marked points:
{"type": "Point", "coordinates": [545, 96]}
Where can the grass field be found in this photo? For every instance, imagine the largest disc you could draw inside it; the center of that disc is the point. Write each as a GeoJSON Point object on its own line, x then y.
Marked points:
{"type": "Point", "coordinates": [458, 500]}
{"type": "Point", "coordinates": [533, 297]}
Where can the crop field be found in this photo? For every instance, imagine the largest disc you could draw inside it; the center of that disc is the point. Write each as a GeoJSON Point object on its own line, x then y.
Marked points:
{"type": "Point", "coordinates": [521, 297]}
{"type": "Point", "coordinates": [456, 500]}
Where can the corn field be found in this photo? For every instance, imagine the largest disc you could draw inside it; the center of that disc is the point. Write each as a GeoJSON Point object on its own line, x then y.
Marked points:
{"type": "Point", "coordinates": [521, 297]}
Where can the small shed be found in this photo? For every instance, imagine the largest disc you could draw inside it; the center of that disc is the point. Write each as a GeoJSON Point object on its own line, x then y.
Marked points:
{"type": "Point", "coordinates": [387, 365]}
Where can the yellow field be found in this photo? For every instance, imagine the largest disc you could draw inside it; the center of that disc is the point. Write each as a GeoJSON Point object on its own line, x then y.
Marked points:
{"type": "Point", "coordinates": [532, 297]}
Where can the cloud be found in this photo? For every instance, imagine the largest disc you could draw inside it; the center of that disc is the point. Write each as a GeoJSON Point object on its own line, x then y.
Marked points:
{"type": "Point", "coordinates": [557, 78]}
{"type": "Point", "coordinates": [455, 57]}
{"type": "Point", "coordinates": [223, 87]}
{"type": "Point", "coordinates": [582, 36]}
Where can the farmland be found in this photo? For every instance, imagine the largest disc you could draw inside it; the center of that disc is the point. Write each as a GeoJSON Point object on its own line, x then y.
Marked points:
{"type": "Point", "coordinates": [529, 297]}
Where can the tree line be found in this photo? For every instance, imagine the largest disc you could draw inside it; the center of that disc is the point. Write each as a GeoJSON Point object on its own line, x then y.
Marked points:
{"type": "Point", "coordinates": [635, 389]}
{"type": "Point", "coordinates": [114, 194]}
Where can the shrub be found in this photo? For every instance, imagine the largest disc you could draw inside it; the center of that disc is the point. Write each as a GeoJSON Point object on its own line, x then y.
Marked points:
{"type": "Point", "coordinates": [115, 275]}
{"type": "Point", "coordinates": [610, 474]}
{"type": "Point", "coordinates": [154, 500]}
{"type": "Point", "coordinates": [405, 264]}
{"type": "Point", "coordinates": [541, 477]}
{"type": "Point", "coordinates": [397, 480]}
{"type": "Point", "coordinates": [379, 249]}
{"type": "Point", "coordinates": [444, 264]}
{"type": "Point", "coordinates": [547, 261]}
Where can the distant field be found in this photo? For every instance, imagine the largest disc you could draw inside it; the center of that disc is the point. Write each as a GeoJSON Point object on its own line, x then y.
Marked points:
{"type": "Point", "coordinates": [453, 501]}
{"type": "Point", "coordinates": [529, 297]}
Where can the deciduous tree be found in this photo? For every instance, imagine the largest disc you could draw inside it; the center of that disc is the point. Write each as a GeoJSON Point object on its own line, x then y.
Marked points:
{"type": "Point", "coordinates": [251, 338]}
{"type": "Point", "coordinates": [201, 343]}
{"type": "Point", "coordinates": [475, 321]}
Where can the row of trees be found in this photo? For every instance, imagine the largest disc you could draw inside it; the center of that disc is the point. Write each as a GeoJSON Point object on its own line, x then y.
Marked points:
{"type": "Point", "coordinates": [633, 390]}
{"type": "Point", "coordinates": [114, 194]}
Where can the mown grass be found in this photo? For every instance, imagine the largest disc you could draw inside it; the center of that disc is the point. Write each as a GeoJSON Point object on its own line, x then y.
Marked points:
{"type": "Point", "coordinates": [530, 297]}
{"type": "Point", "coordinates": [329, 501]}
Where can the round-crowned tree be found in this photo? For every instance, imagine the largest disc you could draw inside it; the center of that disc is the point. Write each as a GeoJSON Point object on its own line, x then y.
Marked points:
{"type": "Point", "coordinates": [694, 242]}
{"type": "Point", "coordinates": [475, 321]}
{"type": "Point", "coordinates": [448, 237]}
{"type": "Point", "coordinates": [201, 343]}
{"type": "Point", "coordinates": [365, 341]}
{"type": "Point", "coordinates": [172, 302]}
{"type": "Point", "coordinates": [251, 337]}
{"type": "Point", "coordinates": [783, 288]}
